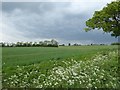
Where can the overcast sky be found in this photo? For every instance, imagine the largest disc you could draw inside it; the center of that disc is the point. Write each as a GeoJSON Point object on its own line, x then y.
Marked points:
{"type": "Point", "coordinates": [63, 21]}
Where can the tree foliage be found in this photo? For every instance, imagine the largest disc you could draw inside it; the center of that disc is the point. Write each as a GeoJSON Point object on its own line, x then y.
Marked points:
{"type": "Point", "coordinates": [107, 19]}
{"type": "Point", "coordinates": [115, 43]}
{"type": "Point", "coordinates": [46, 43]}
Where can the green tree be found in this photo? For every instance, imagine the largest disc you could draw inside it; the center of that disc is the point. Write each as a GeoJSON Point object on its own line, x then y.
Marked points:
{"type": "Point", "coordinates": [107, 19]}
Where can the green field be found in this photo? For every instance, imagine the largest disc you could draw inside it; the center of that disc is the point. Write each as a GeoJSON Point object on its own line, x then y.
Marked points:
{"type": "Point", "coordinates": [20, 61]}
{"type": "Point", "coordinates": [29, 55]}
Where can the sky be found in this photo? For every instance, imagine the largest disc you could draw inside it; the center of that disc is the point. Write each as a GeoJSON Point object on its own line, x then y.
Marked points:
{"type": "Point", "coordinates": [62, 21]}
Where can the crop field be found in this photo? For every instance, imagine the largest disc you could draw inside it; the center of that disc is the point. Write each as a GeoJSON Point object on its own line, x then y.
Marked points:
{"type": "Point", "coordinates": [65, 67]}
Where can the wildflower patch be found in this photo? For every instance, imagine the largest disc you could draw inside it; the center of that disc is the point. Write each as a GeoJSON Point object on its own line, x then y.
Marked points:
{"type": "Point", "coordinates": [100, 71]}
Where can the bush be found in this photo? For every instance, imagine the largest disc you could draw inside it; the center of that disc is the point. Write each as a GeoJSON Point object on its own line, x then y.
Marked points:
{"type": "Point", "coordinates": [116, 43]}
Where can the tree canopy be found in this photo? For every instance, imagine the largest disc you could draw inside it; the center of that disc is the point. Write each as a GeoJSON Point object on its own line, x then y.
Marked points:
{"type": "Point", "coordinates": [107, 19]}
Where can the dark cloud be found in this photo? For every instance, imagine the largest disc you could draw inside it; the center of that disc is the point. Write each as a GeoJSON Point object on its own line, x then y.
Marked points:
{"type": "Point", "coordinates": [61, 21]}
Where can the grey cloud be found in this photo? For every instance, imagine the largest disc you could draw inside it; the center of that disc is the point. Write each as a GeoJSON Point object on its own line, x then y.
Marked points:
{"type": "Point", "coordinates": [52, 20]}
{"type": "Point", "coordinates": [37, 7]}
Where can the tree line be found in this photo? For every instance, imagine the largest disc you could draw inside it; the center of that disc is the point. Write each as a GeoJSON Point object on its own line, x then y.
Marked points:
{"type": "Point", "coordinates": [52, 43]}
{"type": "Point", "coordinates": [115, 43]}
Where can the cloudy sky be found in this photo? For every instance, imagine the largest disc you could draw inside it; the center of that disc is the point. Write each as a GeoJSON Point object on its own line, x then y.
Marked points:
{"type": "Point", "coordinates": [63, 21]}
